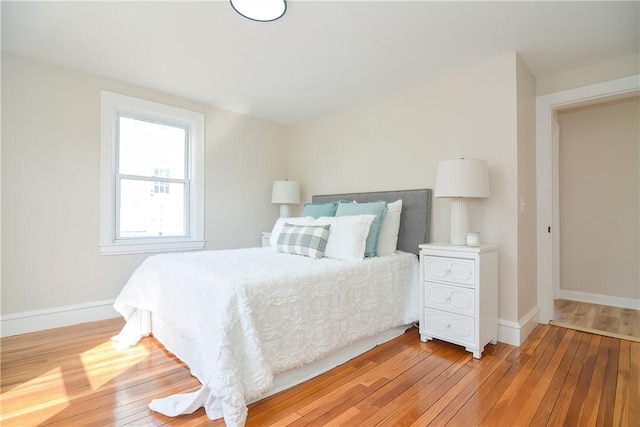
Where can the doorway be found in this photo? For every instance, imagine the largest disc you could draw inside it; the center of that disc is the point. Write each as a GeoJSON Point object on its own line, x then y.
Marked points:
{"type": "Point", "coordinates": [547, 107]}
{"type": "Point", "coordinates": [599, 226]}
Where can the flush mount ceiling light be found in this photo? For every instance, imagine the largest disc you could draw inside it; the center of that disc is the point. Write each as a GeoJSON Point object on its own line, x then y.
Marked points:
{"type": "Point", "coordinates": [260, 10]}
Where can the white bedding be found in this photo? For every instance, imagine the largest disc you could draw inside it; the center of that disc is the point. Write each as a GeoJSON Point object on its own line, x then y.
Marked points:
{"type": "Point", "coordinates": [253, 313]}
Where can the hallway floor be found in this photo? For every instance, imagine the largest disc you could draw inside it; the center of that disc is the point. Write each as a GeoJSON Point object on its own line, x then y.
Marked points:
{"type": "Point", "coordinates": [598, 319]}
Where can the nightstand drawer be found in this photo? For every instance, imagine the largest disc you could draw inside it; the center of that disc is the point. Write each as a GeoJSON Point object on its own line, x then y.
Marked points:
{"type": "Point", "coordinates": [450, 298]}
{"type": "Point", "coordinates": [450, 327]}
{"type": "Point", "coordinates": [450, 270]}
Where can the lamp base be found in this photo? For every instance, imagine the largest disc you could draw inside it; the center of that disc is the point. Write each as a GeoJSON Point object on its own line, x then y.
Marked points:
{"type": "Point", "coordinates": [284, 211]}
{"type": "Point", "coordinates": [459, 221]}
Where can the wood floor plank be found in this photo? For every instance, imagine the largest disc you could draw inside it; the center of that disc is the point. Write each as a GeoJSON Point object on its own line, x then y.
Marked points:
{"type": "Point", "coordinates": [607, 399]}
{"type": "Point", "coordinates": [73, 376]}
{"type": "Point", "coordinates": [337, 376]}
{"type": "Point", "coordinates": [484, 397]}
{"type": "Point", "coordinates": [322, 416]}
{"type": "Point", "coordinates": [630, 322]}
{"type": "Point", "coordinates": [386, 395]}
{"type": "Point", "coordinates": [378, 376]}
{"type": "Point", "coordinates": [15, 402]}
{"type": "Point", "coordinates": [585, 314]}
{"type": "Point", "coordinates": [520, 355]}
{"type": "Point", "coordinates": [634, 384]}
{"type": "Point", "coordinates": [539, 388]}
{"type": "Point", "coordinates": [449, 403]}
{"type": "Point", "coordinates": [589, 413]}
{"type": "Point", "coordinates": [412, 409]}
{"type": "Point", "coordinates": [501, 408]}
{"type": "Point", "coordinates": [561, 408]}
{"type": "Point", "coordinates": [606, 320]}
{"type": "Point", "coordinates": [19, 343]}
{"type": "Point", "coordinates": [490, 396]}
{"type": "Point", "coordinates": [585, 377]}
{"type": "Point", "coordinates": [621, 408]}
{"type": "Point", "coordinates": [374, 413]}
{"type": "Point", "coordinates": [368, 373]}
{"type": "Point", "coordinates": [531, 375]}
{"type": "Point", "coordinates": [552, 394]}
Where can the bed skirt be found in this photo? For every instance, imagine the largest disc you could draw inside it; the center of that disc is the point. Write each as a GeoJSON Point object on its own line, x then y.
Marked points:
{"type": "Point", "coordinates": [145, 323]}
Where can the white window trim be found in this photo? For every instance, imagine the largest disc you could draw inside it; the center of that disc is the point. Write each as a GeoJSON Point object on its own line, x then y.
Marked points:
{"type": "Point", "coordinates": [111, 103]}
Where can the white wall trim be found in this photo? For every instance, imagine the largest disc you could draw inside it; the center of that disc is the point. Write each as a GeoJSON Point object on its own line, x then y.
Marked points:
{"type": "Point", "coordinates": [515, 333]}
{"type": "Point", "coordinates": [40, 320]}
{"type": "Point", "coordinates": [546, 107]}
{"type": "Point", "coordinates": [631, 303]}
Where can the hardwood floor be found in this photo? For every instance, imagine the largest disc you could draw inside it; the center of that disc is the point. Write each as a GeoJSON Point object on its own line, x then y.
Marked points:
{"type": "Point", "coordinates": [72, 376]}
{"type": "Point", "coordinates": [615, 322]}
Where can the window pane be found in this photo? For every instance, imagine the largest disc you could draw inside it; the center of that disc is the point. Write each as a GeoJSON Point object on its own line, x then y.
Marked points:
{"type": "Point", "coordinates": [151, 209]}
{"type": "Point", "coordinates": [151, 149]}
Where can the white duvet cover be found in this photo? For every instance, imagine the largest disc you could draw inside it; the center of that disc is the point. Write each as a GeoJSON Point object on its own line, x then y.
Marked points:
{"type": "Point", "coordinates": [253, 313]}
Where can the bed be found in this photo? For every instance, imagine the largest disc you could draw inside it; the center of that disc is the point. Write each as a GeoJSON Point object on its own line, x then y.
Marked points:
{"type": "Point", "coordinates": [252, 322]}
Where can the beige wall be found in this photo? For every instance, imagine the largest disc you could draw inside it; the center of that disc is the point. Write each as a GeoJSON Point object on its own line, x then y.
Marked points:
{"type": "Point", "coordinates": [595, 73]}
{"type": "Point", "coordinates": [599, 199]}
{"type": "Point", "coordinates": [50, 184]}
{"type": "Point", "coordinates": [395, 142]}
{"type": "Point", "coordinates": [50, 169]}
{"type": "Point", "coordinates": [527, 236]}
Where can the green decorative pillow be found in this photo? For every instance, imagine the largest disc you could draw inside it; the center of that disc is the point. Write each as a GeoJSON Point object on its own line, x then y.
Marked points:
{"type": "Point", "coordinates": [378, 209]}
{"type": "Point", "coordinates": [317, 210]}
{"type": "Point", "coordinates": [306, 240]}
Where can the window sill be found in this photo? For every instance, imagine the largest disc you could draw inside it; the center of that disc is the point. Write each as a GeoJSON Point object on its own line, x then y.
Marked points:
{"type": "Point", "coordinates": [141, 247]}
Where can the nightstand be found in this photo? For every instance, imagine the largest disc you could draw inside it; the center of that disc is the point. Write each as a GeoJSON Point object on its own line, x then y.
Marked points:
{"type": "Point", "coordinates": [459, 295]}
{"type": "Point", "coordinates": [266, 235]}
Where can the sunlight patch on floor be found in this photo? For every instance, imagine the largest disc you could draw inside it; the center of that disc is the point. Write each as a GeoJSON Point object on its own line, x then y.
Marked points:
{"type": "Point", "coordinates": [18, 400]}
{"type": "Point", "coordinates": [77, 376]}
{"type": "Point", "coordinates": [107, 362]}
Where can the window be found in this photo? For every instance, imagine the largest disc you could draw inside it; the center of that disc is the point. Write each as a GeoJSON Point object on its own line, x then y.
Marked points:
{"type": "Point", "coordinates": [152, 195]}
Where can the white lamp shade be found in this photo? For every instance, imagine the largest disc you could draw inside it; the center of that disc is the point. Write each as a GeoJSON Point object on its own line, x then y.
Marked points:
{"type": "Point", "coordinates": [462, 178]}
{"type": "Point", "coordinates": [260, 10]}
{"type": "Point", "coordinates": [286, 192]}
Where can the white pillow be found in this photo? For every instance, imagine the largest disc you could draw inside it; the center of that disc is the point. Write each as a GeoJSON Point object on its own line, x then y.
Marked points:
{"type": "Point", "coordinates": [277, 228]}
{"type": "Point", "coordinates": [388, 237]}
{"type": "Point", "coordinates": [347, 236]}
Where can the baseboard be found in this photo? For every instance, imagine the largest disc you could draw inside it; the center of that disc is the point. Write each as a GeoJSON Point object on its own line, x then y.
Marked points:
{"type": "Point", "coordinates": [621, 302]}
{"type": "Point", "coordinates": [515, 333]}
{"type": "Point", "coordinates": [40, 320]}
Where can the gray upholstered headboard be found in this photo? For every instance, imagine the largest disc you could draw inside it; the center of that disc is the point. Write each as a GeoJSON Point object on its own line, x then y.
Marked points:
{"type": "Point", "coordinates": [416, 213]}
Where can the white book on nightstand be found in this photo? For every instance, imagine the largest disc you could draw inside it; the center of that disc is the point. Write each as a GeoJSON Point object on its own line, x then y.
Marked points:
{"type": "Point", "coordinates": [266, 235]}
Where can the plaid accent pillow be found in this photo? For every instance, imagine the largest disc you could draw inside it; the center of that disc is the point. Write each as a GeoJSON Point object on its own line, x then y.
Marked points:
{"type": "Point", "coordinates": [307, 240]}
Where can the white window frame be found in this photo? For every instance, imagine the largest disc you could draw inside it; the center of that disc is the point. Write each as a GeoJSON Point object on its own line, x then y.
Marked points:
{"type": "Point", "coordinates": [113, 104]}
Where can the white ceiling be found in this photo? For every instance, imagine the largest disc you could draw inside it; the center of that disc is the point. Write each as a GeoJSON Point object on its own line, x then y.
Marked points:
{"type": "Point", "coordinates": [321, 55]}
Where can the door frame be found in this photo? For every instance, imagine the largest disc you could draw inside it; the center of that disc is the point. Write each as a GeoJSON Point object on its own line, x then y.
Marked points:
{"type": "Point", "coordinates": [548, 243]}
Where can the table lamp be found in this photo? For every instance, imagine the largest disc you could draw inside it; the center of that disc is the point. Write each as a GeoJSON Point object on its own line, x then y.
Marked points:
{"type": "Point", "coordinates": [460, 180]}
{"type": "Point", "coordinates": [285, 193]}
